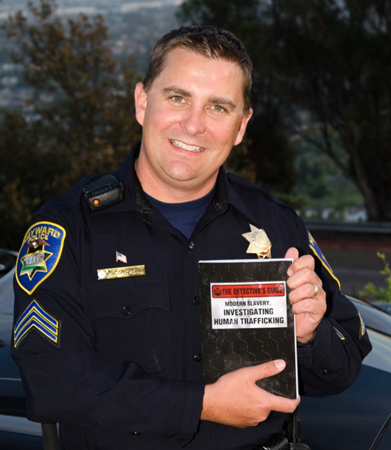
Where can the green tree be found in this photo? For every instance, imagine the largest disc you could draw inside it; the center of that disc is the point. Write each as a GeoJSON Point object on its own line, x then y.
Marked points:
{"type": "Point", "coordinates": [80, 119]}
{"type": "Point", "coordinates": [330, 59]}
{"type": "Point", "coordinates": [371, 292]}
{"type": "Point", "coordinates": [22, 178]}
{"type": "Point", "coordinates": [336, 56]}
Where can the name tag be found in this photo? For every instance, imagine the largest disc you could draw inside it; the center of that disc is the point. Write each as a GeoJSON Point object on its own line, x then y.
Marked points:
{"type": "Point", "coordinates": [121, 272]}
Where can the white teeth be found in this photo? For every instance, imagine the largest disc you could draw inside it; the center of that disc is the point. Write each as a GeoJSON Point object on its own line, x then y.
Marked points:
{"type": "Point", "coordinates": [190, 148]}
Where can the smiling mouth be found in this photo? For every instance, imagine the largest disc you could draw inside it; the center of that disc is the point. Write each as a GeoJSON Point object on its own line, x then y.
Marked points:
{"type": "Point", "coordinates": [189, 148]}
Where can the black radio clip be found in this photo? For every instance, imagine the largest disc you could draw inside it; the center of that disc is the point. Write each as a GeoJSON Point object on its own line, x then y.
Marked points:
{"type": "Point", "coordinates": [103, 191]}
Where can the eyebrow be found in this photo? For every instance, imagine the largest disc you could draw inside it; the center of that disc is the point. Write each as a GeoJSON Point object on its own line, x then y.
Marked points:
{"type": "Point", "coordinates": [176, 90]}
{"type": "Point", "coordinates": [216, 100]}
{"type": "Point", "coordinates": [223, 102]}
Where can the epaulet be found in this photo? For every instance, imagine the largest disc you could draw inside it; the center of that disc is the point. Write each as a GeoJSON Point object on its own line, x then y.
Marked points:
{"type": "Point", "coordinates": [99, 190]}
{"type": "Point", "coordinates": [65, 201]}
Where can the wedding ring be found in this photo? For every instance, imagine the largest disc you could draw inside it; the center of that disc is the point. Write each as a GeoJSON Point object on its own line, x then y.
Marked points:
{"type": "Point", "coordinates": [315, 290]}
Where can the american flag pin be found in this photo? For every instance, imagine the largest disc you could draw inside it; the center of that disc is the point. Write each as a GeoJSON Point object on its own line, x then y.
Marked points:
{"type": "Point", "coordinates": [120, 257]}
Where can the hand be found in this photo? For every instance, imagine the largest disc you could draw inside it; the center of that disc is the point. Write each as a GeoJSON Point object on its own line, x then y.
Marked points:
{"type": "Point", "coordinates": [308, 307]}
{"type": "Point", "coordinates": [235, 399]}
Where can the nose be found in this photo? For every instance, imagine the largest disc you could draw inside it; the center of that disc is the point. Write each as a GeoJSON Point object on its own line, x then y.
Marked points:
{"type": "Point", "coordinates": [193, 121]}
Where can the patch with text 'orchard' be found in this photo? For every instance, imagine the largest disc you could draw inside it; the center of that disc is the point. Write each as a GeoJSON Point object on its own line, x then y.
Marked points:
{"type": "Point", "coordinates": [248, 305]}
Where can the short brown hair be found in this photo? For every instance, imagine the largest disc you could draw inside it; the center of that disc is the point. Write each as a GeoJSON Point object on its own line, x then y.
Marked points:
{"type": "Point", "coordinates": [210, 42]}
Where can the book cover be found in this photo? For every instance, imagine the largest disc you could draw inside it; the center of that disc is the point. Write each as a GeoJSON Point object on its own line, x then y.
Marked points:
{"type": "Point", "coordinates": [246, 319]}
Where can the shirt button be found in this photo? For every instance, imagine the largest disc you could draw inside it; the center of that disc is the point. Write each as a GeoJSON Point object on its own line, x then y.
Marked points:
{"type": "Point", "coordinates": [326, 372]}
{"type": "Point", "coordinates": [196, 300]}
{"type": "Point", "coordinates": [218, 206]}
{"type": "Point", "coordinates": [126, 310]}
{"type": "Point", "coordinates": [191, 245]}
{"type": "Point", "coordinates": [197, 358]}
{"type": "Point", "coordinates": [135, 433]}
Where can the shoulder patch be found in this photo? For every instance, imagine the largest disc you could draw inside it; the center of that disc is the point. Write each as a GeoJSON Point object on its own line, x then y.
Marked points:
{"type": "Point", "coordinates": [39, 254]}
{"type": "Point", "coordinates": [35, 317]}
{"type": "Point", "coordinates": [317, 252]}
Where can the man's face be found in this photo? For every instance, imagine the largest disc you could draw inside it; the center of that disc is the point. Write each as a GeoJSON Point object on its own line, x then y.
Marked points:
{"type": "Point", "coordinates": [191, 117]}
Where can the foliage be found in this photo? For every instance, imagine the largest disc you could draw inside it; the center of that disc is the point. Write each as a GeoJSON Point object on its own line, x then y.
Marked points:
{"type": "Point", "coordinates": [321, 182]}
{"type": "Point", "coordinates": [382, 294]}
{"type": "Point", "coordinates": [22, 177]}
{"type": "Point", "coordinates": [80, 119]}
{"type": "Point", "coordinates": [326, 58]}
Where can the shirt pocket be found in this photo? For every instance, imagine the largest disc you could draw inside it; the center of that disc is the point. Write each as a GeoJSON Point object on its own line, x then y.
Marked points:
{"type": "Point", "coordinates": [131, 321]}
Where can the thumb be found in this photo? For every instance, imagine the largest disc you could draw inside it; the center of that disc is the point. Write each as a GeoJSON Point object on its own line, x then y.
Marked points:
{"type": "Point", "coordinates": [292, 253]}
{"type": "Point", "coordinates": [267, 369]}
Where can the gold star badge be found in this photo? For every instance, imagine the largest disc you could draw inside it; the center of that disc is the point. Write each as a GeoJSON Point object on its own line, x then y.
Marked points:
{"type": "Point", "coordinates": [259, 242]}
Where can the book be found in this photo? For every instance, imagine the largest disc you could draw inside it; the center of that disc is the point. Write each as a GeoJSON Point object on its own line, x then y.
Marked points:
{"type": "Point", "coordinates": [247, 319]}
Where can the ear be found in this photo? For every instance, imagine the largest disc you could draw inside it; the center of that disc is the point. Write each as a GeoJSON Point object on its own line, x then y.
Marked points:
{"type": "Point", "coordinates": [140, 102]}
{"type": "Point", "coordinates": [242, 127]}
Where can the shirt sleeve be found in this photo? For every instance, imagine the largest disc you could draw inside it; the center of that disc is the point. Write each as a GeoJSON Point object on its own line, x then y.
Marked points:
{"type": "Point", "coordinates": [65, 379]}
{"type": "Point", "coordinates": [333, 360]}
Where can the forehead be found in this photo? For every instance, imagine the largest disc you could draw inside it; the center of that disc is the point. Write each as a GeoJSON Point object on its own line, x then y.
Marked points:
{"type": "Point", "coordinates": [187, 67]}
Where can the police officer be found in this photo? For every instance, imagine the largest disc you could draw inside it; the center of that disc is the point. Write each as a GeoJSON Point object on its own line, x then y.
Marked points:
{"type": "Point", "coordinates": [107, 332]}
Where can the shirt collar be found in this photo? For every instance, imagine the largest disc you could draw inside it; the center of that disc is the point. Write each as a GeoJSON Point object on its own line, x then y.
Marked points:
{"type": "Point", "coordinates": [225, 194]}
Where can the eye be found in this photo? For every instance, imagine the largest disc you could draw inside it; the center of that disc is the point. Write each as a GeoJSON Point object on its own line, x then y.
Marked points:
{"type": "Point", "coordinates": [177, 99]}
{"type": "Point", "coordinates": [218, 108]}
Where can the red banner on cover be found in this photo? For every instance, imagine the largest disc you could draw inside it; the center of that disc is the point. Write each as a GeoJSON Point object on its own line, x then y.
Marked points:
{"type": "Point", "coordinates": [248, 290]}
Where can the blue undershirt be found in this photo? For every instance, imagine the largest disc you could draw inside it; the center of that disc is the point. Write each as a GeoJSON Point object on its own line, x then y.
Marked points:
{"type": "Point", "coordinates": [183, 216]}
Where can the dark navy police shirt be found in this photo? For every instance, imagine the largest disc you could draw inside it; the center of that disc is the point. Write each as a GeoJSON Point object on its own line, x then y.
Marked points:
{"type": "Point", "coordinates": [116, 361]}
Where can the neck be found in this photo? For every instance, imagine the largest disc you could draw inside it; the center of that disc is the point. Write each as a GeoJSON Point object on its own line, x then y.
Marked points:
{"type": "Point", "coordinates": [176, 192]}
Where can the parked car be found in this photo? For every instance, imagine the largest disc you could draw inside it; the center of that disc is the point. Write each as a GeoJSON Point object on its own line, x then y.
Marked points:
{"type": "Point", "coordinates": [349, 421]}
{"type": "Point", "coordinates": [16, 432]}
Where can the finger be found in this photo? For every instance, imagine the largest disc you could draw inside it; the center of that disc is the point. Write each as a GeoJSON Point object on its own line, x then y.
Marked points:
{"type": "Point", "coordinates": [292, 253]}
{"type": "Point", "coordinates": [254, 373]}
{"type": "Point", "coordinates": [305, 276]}
{"type": "Point", "coordinates": [310, 306]}
{"type": "Point", "coordinates": [281, 404]}
{"type": "Point", "coordinates": [302, 263]}
{"type": "Point", "coordinates": [302, 288]}
{"type": "Point", "coordinates": [265, 370]}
